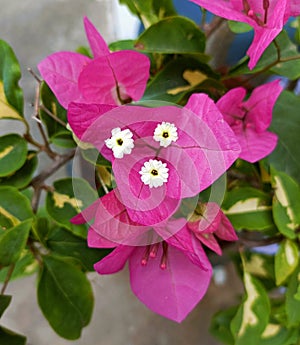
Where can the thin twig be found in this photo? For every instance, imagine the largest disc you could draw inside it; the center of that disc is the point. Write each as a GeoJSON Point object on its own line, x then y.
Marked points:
{"type": "Point", "coordinates": [7, 278]}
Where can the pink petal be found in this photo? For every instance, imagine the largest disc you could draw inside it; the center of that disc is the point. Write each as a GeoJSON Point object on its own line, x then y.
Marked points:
{"type": "Point", "coordinates": [225, 231]}
{"type": "Point", "coordinates": [261, 104]}
{"type": "Point", "coordinates": [115, 261]}
{"type": "Point", "coordinates": [223, 8]}
{"type": "Point", "coordinates": [215, 138]}
{"type": "Point", "coordinates": [87, 214]}
{"type": "Point", "coordinates": [256, 146]}
{"type": "Point", "coordinates": [184, 241]}
{"type": "Point", "coordinates": [112, 222]}
{"type": "Point", "coordinates": [82, 116]}
{"type": "Point", "coordinates": [210, 219]}
{"type": "Point", "coordinates": [97, 241]}
{"type": "Point", "coordinates": [96, 41]}
{"type": "Point", "coordinates": [231, 105]}
{"type": "Point", "coordinates": [210, 241]}
{"type": "Point", "coordinates": [172, 292]}
{"type": "Point", "coordinates": [61, 72]}
{"type": "Point", "coordinates": [126, 70]}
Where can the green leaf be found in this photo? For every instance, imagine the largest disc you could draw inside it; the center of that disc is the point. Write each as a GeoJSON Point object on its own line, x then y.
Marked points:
{"type": "Point", "coordinates": [25, 266]}
{"type": "Point", "coordinates": [286, 203]}
{"type": "Point", "coordinates": [57, 132]}
{"type": "Point", "coordinates": [143, 9]}
{"type": "Point", "coordinates": [12, 242]}
{"type": "Point", "coordinates": [289, 69]}
{"type": "Point", "coordinates": [286, 124]}
{"type": "Point", "coordinates": [238, 27]}
{"type": "Point", "coordinates": [253, 315]}
{"type": "Point", "coordinates": [64, 243]}
{"type": "Point", "coordinates": [172, 35]}
{"type": "Point", "coordinates": [11, 95]}
{"type": "Point", "coordinates": [14, 208]}
{"type": "Point", "coordinates": [41, 229]}
{"type": "Point", "coordinates": [286, 260]}
{"type": "Point", "coordinates": [65, 297]}
{"type": "Point", "coordinates": [275, 334]}
{"type": "Point", "coordinates": [4, 303]}
{"type": "Point", "coordinates": [13, 152]}
{"type": "Point", "coordinates": [22, 177]}
{"type": "Point", "coordinates": [122, 45]}
{"type": "Point", "coordinates": [8, 337]}
{"type": "Point", "coordinates": [93, 156]}
{"type": "Point", "coordinates": [70, 196]}
{"type": "Point", "coordinates": [292, 305]}
{"type": "Point", "coordinates": [179, 77]}
{"type": "Point", "coordinates": [248, 208]}
{"type": "Point", "coordinates": [220, 325]}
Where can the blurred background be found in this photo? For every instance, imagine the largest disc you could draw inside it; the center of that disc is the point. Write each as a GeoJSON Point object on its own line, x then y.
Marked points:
{"type": "Point", "coordinates": [36, 29]}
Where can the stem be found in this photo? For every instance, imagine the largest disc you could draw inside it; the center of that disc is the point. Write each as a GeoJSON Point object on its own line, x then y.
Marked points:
{"type": "Point", "coordinates": [213, 26]}
{"type": "Point", "coordinates": [38, 182]}
{"type": "Point", "coordinates": [7, 278]}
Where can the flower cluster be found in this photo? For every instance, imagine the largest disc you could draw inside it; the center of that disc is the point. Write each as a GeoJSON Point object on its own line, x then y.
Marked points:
{"type": "Point", "coordinates": [159, 156]}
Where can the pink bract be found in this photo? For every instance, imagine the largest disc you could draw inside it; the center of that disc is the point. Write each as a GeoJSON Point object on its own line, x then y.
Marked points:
{"type": "Point", "coordinates": [110, 78]}
{"type": "Point", "coordinates": [210, 224]}
{"type": "Point", "coordinates": [205, 149]}
{"type": "Point", "coordinates": [250, 119]}
{"type": "Point", "coordinates": [169, 279]}
{"type": "Point", "coordinates": [266, 17]}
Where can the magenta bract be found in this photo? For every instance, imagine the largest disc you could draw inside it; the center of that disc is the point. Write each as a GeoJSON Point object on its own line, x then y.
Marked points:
{"type": "Point", "coordinates": [111, 78]}
{"type": "Point", "coordinates": [205, 149]}
{"type": "Point", "coordinates": [266, 17]}
{"type": "Point", "coordinates": [250, 119]}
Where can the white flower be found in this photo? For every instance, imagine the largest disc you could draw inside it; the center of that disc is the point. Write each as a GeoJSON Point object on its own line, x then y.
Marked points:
{"type": "Point", "coordinates": [154, 173]}
{"type": "Point", "coordinates": [165, 133]}
{"type": "Point", "coordinates": [121, 142]}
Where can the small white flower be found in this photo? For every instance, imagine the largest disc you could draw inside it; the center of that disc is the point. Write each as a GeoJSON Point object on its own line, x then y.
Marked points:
{"type": "Point", "coordinates": [121, 142]}
{"type": "Point", "coordinates": [154, 173]}
{"type": "Point", "coordinates": [165, 133]}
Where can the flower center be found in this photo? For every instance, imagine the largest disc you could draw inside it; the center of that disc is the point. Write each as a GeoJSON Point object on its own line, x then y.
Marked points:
{"type": "Point", "coordinates": [154, 173]}
{"type": "Point", "coordinates": [165, 135]}
{"type": "Point", "coordinates": [121, 142]}
{"type": "Point", "coordinates": [256, 16]}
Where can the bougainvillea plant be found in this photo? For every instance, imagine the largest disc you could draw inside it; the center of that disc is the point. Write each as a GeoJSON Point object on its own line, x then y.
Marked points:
{"type": "Point", "coordinates": [181, 159]}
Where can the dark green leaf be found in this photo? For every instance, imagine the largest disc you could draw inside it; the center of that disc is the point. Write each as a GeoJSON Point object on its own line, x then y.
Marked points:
{"type": "Point", "coordinates": [10, 74]}
{"type": "Point", "coordinates": [238, 27]}
{"type": "Point", "coordinates": [286, 124]}
{"type": "Point", "coordinates": [8, 337]}
{"type": "Point", "coordinates": [14, 207]}
{"type": "Point", "coordinates": [4, 303]}
{"type": "Point", "coordinates": [252, 316]}
{"type": "Point", "coordinates": [172, 35]}
{"type": "Point", "coordinates": [25, 266]}
{"type": "Point", "coordinates": [41, 229]}
{"type": "Point", "coordinates": [13, 151]}
{"type": "Point", "coordinates": [70, 196]}
{"type": "Point", "coordinates": [57, 133]}
{"type": "Point", "coordinates": [93, 156]}
{"type": "Point", "coordinates": [13, 241]}
{"type": "Point", "coordinates": [65, 297]}
{"type": "Point", "coordinates": [220, 326]}
{"type": "Point", "coordinates": [179, 77]}
{"type": "Point", "coordinates": [64, 243]}
{"type": "Point", "coordinates": [143, 9]}
{"type": "Point", "coordinates": [22, 177]}
{"type": "Point", "coordinates": [287, 68]}
{"type": "Point", "coordinates": [292, 305]}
